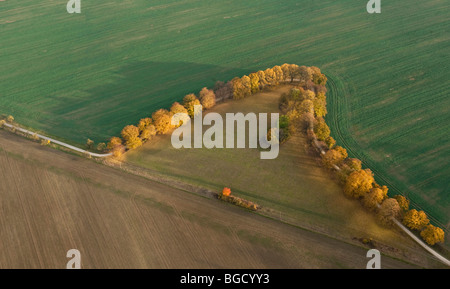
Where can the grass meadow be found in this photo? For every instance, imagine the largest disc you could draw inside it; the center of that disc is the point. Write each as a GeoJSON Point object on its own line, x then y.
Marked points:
{"type": "Point", "coordinates": [293, 187]}
{"type": "Point", "coordinates": [87, 76]}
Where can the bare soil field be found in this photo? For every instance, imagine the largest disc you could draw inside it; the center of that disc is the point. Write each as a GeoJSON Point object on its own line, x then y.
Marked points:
{"type": "Point", "coordinates": [51, 202]}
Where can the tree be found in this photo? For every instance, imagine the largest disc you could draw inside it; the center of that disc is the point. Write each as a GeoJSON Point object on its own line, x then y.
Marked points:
{"type": "Point", "coordinates": [89, 144]}
{"type": "Point", "coordinates": [305, 74]}
{"type": "Point", "coordinates": [162, 120]}
{"type": "Point", "coordinates": [342, 151]}
{"type": "Point", "coordinates": [296, 94]}
{"type": "Point", "coordinates": [432, 235]}
{"type": "Point", "coordinates": [320, 107]}
{"type": "Point", "coordinates": [207, 98]}
{"type": "Point", "coordinates": [101, 147]}
{"type": "Point", "coordinates": [241, 87]}
{"type": "Point", "coordinates": [283, 121]}
{"type": "Point", "coordinates": [178, 108]}
{"type": "Point", "coordinates": [374, 198]}
{"type": "Point", "coordinates": [321, 129]}
{"type": "Point", "coordinates": [246, 86]}
{"type": "Point", "coordinates": [332, 157]}
{"type": "Point", "coordinates": [354, 164]}
{"type": "Point", "coordinates": [330, 141]}
{"type": "Point", "coordinates": [118, 151]}
{"type": "Point", "coordinates": [189, 101]}
{"type": "Point", "coordinates": [306, 106]}
{"type": "Point", "coordinates": [148, 132]}
{"type": "Point", "coordinates": [271, 77]}
{"type": "Point", "coordinates": [143, 123]}
{"type": "Point", "coordinates": [308, 94]}
{"type": "Point", "coordinates": [113, 142]}
{"type": "Point", "coordinates": [10, 119]}
{"type": "Point", "coordinates": [236, 84]}
{"type": "Point", "coordinates": [359, 183]}
{"type": "Point", "coordinates": [389, 210]}
{"type": "Point", "coordinates": [403, 202]}
{"type": "Point", "coordinates": [262, 79]}
{"type": "Point", "coordinates": [415, 220]}
{"type": "Point", "coordinates": [130, 134]}
{"type": "Point", "coordinates": [317, 77]}
{"type": "Point", "coordinates": [290, 71]}
{"type": "Point", "coordinates": [308, 121]}
{"type": "Point", "coordinates": [223, 90]}
{"type": "Point", "coordinates": [116, 147]}
{"type": "Point", "coordinates": [254, 82]}
{"type": "Point", "coordinates": [279, 74]}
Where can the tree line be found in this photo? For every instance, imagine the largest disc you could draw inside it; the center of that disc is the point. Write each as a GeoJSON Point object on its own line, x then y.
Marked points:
{"type": "Point", "coordinates": [159, 123]}
{"type": "Point", "coordinates": [305, 109]}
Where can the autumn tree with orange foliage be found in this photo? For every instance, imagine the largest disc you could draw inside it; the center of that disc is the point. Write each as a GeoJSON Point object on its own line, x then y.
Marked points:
{"type": "Point", "coordinates": [143, 123]}
{"type": "Point", "coordinates": [290, 71]}
{"type": "Point", "coordinates": [359, 183]}
{"type": "Point", "coordinates": [162, 120]}
{"type": "Point", "coordinates": [317, 77]}
{"type": "Point", "coordinates": [148, 132]}
{"type": "Point", "coordinates": [262, 79]}
{"type": "Point", "coordinates": [415, 220]}
{"type": "Point", "coordinates": [116, 147]}
{"type": "Point", "coordinates": [130, 135]}
{"type": "Point", "coordinates": [271, 77]}
{"type": "Point", "coordinates": [226, 192]}
{"type": "Point", "coordinates": [332, 158]}
{"type": "Point", "coordinates": [432, 235]}
{"type": "Point", "coordinates": [189, 101]}
{"type": "Point", "coordinates": [374, 198]}
{"type": "Point", "coordinates": [321, 129]}
{"type": "Point", "coordinates": [354, 164]}
{"type": "Point", "coordinates": [254, 82]}
{"type": "Point", "coordinates": [403, 202]}
{"type": "Point", "coordinates": [279, 74]}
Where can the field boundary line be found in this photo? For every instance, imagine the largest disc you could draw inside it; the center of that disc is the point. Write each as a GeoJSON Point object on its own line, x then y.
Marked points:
{"type": "Point", "coordinates": [66, 145]}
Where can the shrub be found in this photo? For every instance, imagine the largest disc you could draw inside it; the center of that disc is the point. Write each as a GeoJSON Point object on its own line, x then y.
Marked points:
{"type": "Point", "coordinates": [226, 192]}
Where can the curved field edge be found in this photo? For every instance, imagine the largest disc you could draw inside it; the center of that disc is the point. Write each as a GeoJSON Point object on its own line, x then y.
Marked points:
{"type": "Point", "coordinates": [339, 119]}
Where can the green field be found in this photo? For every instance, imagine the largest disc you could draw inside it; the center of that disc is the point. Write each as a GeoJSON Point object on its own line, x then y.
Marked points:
{"type": "Point", "coordinates": [87, 76]}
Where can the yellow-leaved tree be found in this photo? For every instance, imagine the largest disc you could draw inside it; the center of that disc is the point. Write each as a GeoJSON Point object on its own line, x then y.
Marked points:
{"type": "Point", "coordinates": [433, 235]}
{"type": "Point", "coordinates": [415, 220]}
{"type": "Point", "coordinates": [359, 183]}
{"type": "Point", "coordinates": [130, 135]}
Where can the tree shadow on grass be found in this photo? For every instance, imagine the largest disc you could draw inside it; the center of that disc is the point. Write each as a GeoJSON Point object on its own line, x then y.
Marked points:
{"type": "Point", "coordinates": [136, 91]}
